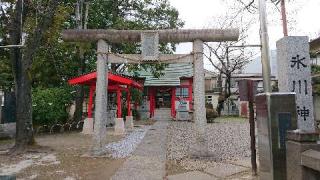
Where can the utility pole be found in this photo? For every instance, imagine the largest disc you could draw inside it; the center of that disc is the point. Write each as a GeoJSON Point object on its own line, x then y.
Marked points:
{"type": "Point", "coordinates": [284, 18]}
{"type": "Point", "coordinates": [265, 56]}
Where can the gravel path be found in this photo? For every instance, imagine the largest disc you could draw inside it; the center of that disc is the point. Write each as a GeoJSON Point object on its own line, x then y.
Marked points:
{"type": "Point", "coordinates": [227, 140]}
{"type": "Point", "coordinates": [126, 146]}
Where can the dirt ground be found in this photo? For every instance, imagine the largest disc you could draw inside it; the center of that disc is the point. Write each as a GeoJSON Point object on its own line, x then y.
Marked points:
{"type": "Point", "coordinates": [61, 156]}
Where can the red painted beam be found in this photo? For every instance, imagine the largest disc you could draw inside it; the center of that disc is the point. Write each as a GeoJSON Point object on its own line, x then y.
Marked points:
{"type": "Point", "coordinates": [89, 79]}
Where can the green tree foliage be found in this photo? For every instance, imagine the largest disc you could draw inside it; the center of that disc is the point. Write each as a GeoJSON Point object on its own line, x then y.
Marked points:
{"type": "Point", "coordinates": [50, 105]}
{"type": "Point", "coordinates": [6, 78]}
{"type": "Point", "coordinates": [54, 61]}
{"type": "Point", "coordinates": [57, 61]}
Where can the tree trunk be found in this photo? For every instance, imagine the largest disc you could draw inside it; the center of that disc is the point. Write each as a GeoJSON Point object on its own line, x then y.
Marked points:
{"type": "Point", "coordinates": [24, 134]}
{"type": "Point", "coordinates": [228, 91]}
{"type": "Point", "coordinates": [225, 95]}
{"type": "Point", "coordinates": [24, 129]}
{"type": "Point", "coordinates": [21, 65]}
{"type": "Point", "coordinates": [229, 86]}
{"type": "Point", "coordinates": [226, 87]}
{"type": "Point", "coordinates": [77, 116]}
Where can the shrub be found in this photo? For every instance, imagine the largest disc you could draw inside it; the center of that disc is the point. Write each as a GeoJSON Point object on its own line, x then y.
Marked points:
{"type": "Point", "coordinates": [211, 114]}
{"type": "Point", "coordinates": [49, 105]}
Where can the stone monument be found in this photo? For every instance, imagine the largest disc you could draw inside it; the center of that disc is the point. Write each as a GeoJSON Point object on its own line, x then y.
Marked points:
{"type": "Point", "coordinates": [295, 76]}
{"type": "Point", "coordinates": [144, 108]}
{"type": "Point", "coordinates": [294, 72]}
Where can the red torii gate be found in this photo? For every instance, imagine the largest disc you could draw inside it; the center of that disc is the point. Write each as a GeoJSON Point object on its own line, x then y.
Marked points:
{"type": "Point", "coordinates": [116, 83]}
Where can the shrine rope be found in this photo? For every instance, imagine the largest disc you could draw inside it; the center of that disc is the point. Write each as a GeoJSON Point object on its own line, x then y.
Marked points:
{"type": "Point", "coordinates": [128, 60]}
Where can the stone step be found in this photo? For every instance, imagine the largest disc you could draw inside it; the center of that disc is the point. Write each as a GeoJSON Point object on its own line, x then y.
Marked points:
{"type": "Point", "coordinates": [162, 114]}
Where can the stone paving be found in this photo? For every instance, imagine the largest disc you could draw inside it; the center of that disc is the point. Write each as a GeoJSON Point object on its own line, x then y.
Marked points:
{"type": "Point", "coordinates": [223, 170]}
{"type": "Point", "coordinates": [148, 160]}
{"type": "Point", "coordinates": [191, 176]}
{"type": "Point", "coordinates": [217, 171]}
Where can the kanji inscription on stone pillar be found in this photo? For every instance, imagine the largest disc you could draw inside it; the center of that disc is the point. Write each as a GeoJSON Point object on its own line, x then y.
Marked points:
{"type": "Point", "coordinates": [294, 72]}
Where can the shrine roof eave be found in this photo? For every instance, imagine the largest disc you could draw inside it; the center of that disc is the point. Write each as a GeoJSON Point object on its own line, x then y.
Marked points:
{"type": "Point", "coordinates": [90, 79]}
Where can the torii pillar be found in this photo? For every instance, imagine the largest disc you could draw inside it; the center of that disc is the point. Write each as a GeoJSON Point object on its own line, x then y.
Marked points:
{"type": "Point", "coordinates": [200, 147]}
{"type": "Point", "coordinates": [197, 36]}
{"type": "Point", "coordinates": [100, 116]}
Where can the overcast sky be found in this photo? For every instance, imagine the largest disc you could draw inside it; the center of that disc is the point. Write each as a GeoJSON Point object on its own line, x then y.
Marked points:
{"type": "Point", "coordinates": [199, 13]}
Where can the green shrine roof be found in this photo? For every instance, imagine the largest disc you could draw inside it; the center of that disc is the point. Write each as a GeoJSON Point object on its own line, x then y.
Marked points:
{"type": "Point", "coordinates": [171, 77]}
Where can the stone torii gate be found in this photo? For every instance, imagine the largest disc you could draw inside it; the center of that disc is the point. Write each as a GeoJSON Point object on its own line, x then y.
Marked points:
{"type": "Point", "coordinates": [149, 40]}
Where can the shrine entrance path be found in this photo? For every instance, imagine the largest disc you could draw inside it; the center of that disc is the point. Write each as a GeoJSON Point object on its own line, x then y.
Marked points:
{"type": "Point", "coordinates": [149, 159]}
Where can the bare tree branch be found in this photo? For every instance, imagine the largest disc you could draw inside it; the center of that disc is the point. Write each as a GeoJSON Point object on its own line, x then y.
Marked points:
{"type": "Point", "coordinates": [248, 6]}
{"type": "Point", "coordinates": [228, 60]}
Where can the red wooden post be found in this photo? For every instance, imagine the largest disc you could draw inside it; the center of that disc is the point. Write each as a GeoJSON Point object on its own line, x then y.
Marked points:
{"type": "Point", "coordinates": [250, 87]}
{"type": "Point", "coordinates": [129, 102]}
{"type": "Point", "coordinates": [173, 100]}
{"type": "Point", "coordinates": [152, 101]}
{"type": "Point", "coordinates": [119, 110]}
{"type": "Point", "coordinates": [91, 93]}
{"type": "Point", "coordinates": [190, 93]}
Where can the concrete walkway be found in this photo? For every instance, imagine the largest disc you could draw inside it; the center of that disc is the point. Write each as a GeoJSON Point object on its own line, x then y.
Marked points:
{"type": "Point", "coordinates": [149, 159]}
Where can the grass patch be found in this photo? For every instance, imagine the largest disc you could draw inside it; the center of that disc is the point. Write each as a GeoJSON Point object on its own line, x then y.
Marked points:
{"type": "Point", "coordinates": [225, 119]}
{"type": "Point", "coordinates": [146, 122]}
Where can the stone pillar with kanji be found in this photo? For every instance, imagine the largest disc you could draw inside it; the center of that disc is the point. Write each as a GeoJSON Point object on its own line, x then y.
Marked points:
{"type": "Point", "coordinates": [294, 72]}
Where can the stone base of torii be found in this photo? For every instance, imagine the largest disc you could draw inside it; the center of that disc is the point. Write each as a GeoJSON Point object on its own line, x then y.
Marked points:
{"type": "Point", "coordinates": [197, 36]}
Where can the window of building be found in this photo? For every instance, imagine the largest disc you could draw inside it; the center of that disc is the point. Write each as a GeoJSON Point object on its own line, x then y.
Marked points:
{"type": "Point", "coordinates": [182, 92]}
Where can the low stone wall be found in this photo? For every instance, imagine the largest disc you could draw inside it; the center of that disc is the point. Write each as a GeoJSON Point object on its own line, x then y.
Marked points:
{"type": "Point", "coordinates": [7, 130]}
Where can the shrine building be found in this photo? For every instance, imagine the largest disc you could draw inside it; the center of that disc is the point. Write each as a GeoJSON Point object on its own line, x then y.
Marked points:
{"type": "Point", "coordinates": [166, 97]}
{"type": "Point", "coordinates": [169, 95]}
{"type": "Point", "coordinates": [116, 85]}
